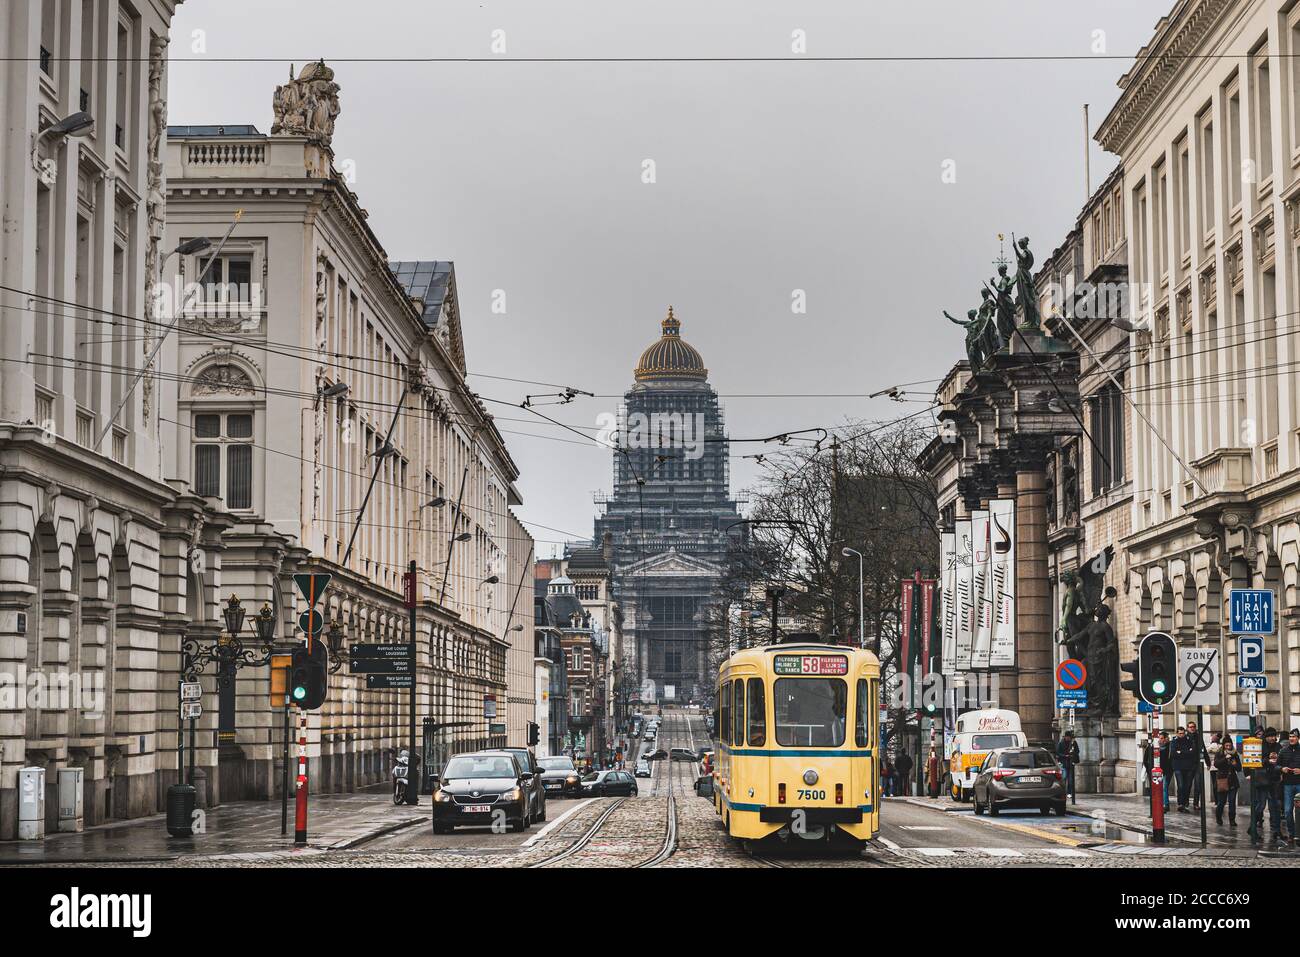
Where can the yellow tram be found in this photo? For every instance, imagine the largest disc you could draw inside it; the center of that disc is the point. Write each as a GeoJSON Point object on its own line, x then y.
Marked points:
{"type": "Point", "coordinates": [797, 730]}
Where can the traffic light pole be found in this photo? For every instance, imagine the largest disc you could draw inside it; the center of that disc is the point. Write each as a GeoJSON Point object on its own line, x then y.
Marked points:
{"type": "Point", "coordinates": [1157, 795]}
{"type": "Point", "coordinates": [284, 769]}
{"type": "Point", "coordinates": [413, 759]}
{"type": "Point", "coordinates": [300, 817]}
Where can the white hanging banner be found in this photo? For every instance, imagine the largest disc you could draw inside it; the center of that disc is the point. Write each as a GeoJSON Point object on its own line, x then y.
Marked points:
{"type": "Point", "coordinates": [1002, 531]}
{"type": "Point", "coordinates": [948, 602]}
{"type": "Point", "coordinates": [982, 591]}
{"type": "Point", "coordinates": [963, 585]}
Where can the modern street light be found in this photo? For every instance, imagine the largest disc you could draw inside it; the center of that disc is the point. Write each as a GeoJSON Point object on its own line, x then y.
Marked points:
{"type": "Point", "coordinates": [77, 124]}
{"type": "Point", "coordinates": [491, 579]}
{"type": "Point", "coordinates": [862, 633]}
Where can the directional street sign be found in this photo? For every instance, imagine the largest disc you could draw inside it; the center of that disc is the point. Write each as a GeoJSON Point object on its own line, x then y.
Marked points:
{"type": "Point", "coordinates": [359, 651]}
{"type": "Point", "coordinates": [1250, 655]}
{"type": "Point", "coordinates": [312, 585]}
{"type": "Point", "coordinates": [1252, 683]}
{"type": "Point", "coordinates": [380, 666]}
{"type": "Point", "coordinates": [389, 682]}
{"type": "Point", "coordinates": [1198, 674]}
{"type": "Point", "coordinates": [1251, 611]}
{"type": "Point", "coordinates": [1071, 674]}
{"type": "Point", "coordinates": [191, 691]}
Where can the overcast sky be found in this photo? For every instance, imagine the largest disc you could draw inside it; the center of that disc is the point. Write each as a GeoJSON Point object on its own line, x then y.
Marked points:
{"type": "Point", "coordinates": [825, 177]}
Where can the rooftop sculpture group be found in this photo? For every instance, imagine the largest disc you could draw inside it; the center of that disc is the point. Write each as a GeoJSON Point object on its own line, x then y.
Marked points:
{"type": "Point", "coordinates": [990, 327]}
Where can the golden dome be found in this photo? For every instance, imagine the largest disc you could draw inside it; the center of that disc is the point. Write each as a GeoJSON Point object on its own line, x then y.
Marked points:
{"type": "Point", "coordinates": [670, 357]}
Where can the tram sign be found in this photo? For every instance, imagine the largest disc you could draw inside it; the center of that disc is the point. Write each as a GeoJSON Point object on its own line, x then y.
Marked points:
{"type": "Point", "coordinates": [811, 665]}
{"type": "Point", "coordinates": [1251, 611]}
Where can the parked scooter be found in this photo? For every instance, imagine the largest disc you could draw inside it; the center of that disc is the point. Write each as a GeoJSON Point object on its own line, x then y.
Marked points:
{"type": "Point", "coordinates": [400, 772]}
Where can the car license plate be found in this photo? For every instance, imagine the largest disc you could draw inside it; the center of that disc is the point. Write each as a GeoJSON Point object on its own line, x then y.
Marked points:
{"type": "Point", "coordinates": [476, 808]}
{"type": "Point", "coordinates": [1032, 779]}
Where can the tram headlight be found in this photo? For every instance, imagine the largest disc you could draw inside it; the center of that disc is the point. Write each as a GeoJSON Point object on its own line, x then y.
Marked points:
{"type": "Point", "coordinates": [810, 777]}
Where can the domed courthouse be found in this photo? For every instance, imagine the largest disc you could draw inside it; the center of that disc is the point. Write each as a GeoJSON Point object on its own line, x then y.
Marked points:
{"type": "Point", "coordinates": [670, 518]}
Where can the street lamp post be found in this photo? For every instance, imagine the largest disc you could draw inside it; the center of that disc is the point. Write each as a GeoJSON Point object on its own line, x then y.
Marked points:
{"type": "Point", "coordinates": [229, 654]}
{"type": "Point", "coordinates": [862, 634]}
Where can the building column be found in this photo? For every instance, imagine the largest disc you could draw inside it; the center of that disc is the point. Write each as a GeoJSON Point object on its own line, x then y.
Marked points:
{"type": "Point", "coordinates": [1033, 604]}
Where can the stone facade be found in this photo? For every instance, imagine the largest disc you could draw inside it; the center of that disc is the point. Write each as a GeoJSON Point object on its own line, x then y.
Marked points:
{"type": "Point", "coordinates": [315, 377]}
{"type": "Point", "coordinates": [104, 559]}
{"type": "Point", "coordinates": [1211, 153]}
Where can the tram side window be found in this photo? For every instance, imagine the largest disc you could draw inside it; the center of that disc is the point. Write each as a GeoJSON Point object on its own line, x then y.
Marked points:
{"type": "Point", "coordinates": [757, 714]}
{"type": "Point", "coordinates": [862, 723]}
{"type": "Point", "coordinates": [724, 704]}
{"type": "Point", "coordinates": [738, 712]}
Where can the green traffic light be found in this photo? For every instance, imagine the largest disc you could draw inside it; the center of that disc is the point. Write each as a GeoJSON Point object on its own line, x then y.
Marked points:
{"type": "Point", "coordinates": [299, 693]}
{"type": "Point", "coordinates": [1158, 686]}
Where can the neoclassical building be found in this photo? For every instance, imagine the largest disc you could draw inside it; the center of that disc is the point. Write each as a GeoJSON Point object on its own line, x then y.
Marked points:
{"type": "Point", "coordinates": [317, 378]}
{"type": "Point", "coordinates": [1207, 127]}
{"type": "Point", "coordinates": [105, 559]}
{"type": "Point", "coordinates": [670, 519]}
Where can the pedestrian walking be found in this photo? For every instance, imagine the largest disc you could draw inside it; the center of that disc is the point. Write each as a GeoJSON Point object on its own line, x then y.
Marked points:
{"type": "Point", "coordinates": [1067, 755]}
{"type": "Point", "coordinates": [1288, 765]}
{"type": "Point", "coordinates": [1202, 754]}
{"type": "Point", "coordinates": [904, 766]}
{"type": "Point", "coordinates": [1265, 787]}
{"type": "Point", "coordinates": [1227, 767]}
{"type": "Point", "coordinates": [1159, 740]}
{"type": "Point", "coordinates": [887, 778]}
{"type": "Point", "coordinates": [1186, 762]}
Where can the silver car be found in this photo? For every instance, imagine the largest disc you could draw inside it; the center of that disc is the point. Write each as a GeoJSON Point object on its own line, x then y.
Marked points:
{"type": "Point", "coordinates": [1020, 777]}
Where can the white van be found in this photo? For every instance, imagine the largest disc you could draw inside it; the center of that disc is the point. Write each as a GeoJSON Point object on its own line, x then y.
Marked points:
{"type": "Point", "coordinates": [978, 733]}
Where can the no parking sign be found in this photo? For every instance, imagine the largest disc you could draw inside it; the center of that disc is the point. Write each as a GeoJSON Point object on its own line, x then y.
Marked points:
{"type": "Point", "coordinates": [1071, 674]}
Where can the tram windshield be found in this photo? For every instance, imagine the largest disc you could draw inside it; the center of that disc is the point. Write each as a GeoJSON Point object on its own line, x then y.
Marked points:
{"type": "Point", "coordinates": [810, 712]}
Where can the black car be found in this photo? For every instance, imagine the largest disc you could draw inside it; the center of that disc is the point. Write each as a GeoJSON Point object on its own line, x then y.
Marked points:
{"type": "Point", "coordinates": [533, 774]}
{"type": "Point", "coordinates": [559, 776]}
{"type": "Point", "coordinates": [657, 755]}
{"type": "Point", "coordinates": [483, 789]}
{"type": "Point", "coordinates": [603, 783]}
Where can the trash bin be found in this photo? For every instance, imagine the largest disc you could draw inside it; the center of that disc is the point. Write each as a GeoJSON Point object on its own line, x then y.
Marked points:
{"type": "Point", "coordinates": [180, 810]}
{"type": "Point", "coordinates": [71, 790]}
{"type": "Point", "coordinates": [31, 804]}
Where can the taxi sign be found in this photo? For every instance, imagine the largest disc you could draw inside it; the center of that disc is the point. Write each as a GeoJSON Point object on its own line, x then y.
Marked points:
{"type": "Point", "coordinates": [811, 665]}
{"type": "Point", "coordinates": [1252, 753]}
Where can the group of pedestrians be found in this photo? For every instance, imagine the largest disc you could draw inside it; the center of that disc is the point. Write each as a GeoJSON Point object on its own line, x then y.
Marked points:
{"type": "Point", "coordinates": [896, 775]}
{"type": "Point", "coordinates": [1274, 786]}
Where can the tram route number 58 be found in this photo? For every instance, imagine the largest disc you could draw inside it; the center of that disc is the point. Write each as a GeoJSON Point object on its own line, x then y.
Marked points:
{"type": "Point", "coordinates": [809, 795]}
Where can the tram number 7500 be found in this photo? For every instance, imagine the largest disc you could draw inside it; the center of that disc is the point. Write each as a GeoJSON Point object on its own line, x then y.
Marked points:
{"type": "Point", "coordinates": [806, 794]}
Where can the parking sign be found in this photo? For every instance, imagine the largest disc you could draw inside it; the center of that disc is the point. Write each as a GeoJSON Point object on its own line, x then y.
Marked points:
{"type": "Point", "coordinates": [1250, 655]}
{"type": "Point", "coordinates": [1252, 611]}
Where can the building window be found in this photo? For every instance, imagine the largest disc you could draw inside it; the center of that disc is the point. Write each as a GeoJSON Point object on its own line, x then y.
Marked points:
{"type": "Point", "coordinates": [1263, 122]}
{"type": "Point", "coordinates": [228, 280]}
{"type": "Point", "coordinates": [223, 457]}
{"type": "Point", "coordinates": [1107, 430]}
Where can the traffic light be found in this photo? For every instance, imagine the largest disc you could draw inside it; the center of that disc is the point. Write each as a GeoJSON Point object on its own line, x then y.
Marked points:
{"type": "Point", "coordinates": [1157, 668]}
{"type": "Point", "coordinates": [1154, 671]}
{"type": "Point", "coordinates": [534, 733]}
{"type": "Point", "coordinates": [309, 676]}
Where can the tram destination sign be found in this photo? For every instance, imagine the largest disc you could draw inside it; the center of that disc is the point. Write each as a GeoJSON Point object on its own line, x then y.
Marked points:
{"type": "Point", "coordinates": [811, 665]}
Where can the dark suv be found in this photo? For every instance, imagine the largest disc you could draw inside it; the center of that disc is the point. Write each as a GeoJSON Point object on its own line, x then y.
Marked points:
{"type": "Point", "coordinates": [559, 776]}
{"type": "Point", "coordinates": [533, 778]}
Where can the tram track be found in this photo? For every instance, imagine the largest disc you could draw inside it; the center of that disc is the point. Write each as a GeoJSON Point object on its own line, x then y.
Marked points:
{"type": "Point", "coordinates": [665, 784]}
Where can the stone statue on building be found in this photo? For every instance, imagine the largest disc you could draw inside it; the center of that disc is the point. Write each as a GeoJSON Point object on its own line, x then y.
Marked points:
{"type": "Point", "coordinates": [1074, 616]}
{"type": "Point", "coordinates": [1027, 299]}
{"type": "Point", "coordinates": [1101, 656]}
{"type": "Point", "coordinates": [1005, 308]}
{"type": "Point", "coordinates": [308, 105]}
{"type": "Point", "coordinates": [981, 331]}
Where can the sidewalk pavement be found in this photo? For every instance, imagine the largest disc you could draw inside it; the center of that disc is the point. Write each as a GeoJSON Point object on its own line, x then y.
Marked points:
{"type": "Point", "coordinates": [242, 828]}
{"type": "Point", "coordinates": [1121, 824]}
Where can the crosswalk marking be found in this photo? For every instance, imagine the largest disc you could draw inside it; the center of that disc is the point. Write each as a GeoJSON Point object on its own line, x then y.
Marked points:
{"type": "Point", "coordinates": [990, 851]}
